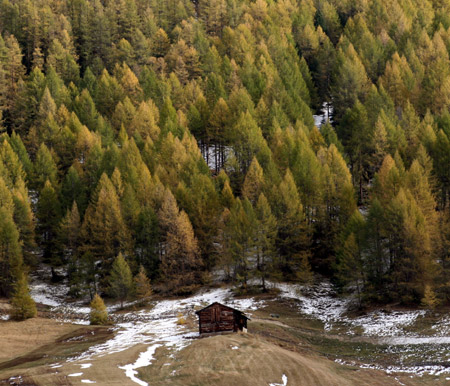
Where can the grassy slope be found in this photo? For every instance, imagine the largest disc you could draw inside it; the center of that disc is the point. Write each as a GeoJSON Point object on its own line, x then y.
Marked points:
{"type": "Point", "coordinates": [291, 345]}
{"type": "Point", "coordinates": [213, 361]}
{"type": "Point", "coordinates": [32, 345]}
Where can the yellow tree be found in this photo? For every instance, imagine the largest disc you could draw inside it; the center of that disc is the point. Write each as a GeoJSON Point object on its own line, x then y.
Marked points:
{"type": "Point", "coordinates": [104, 232]}
{"type": "Point", "coordinates": [180, 259]}
{"type": "Point", "coordinates": [254, 182]}
{"type": "Point", "coordinates": [23, 306]}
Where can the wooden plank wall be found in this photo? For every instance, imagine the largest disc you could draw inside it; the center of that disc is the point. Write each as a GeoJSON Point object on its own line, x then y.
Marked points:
{"type": "Point", "coordinates": [216, 319]}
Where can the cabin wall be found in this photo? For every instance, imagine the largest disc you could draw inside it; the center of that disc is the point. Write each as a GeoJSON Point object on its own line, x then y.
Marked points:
{"type": "Point", "coordinates": [216, 319]}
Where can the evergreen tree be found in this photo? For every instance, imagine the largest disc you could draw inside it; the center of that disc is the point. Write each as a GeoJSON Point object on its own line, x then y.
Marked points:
{"type": "Point", "coordinates": [237, 241]}
{"type": "Point", "coordinates": [265, 237]}
{"type": "Point", "coordinates": [25, 222]}
{"type": "Point", "coordinates": [350, 80]}
{"type": "Point", "coordinates": [294, 240]}
{"type": "Point", "coordinates": [45, 168]}
{"type": "Point", "coordinates": [142, 284]}
{"type": "Point", "coordinates": [48, 215]}
{"type": "Point", "coordinates": [120, 280]}
{"type": "Point", "coordinates": [254, 182]}
{"type": "Point", "coordinates": [350, 261]}
{"type": "Point", "coordinates": [23, 306]}
{"type": "Point", "coordinates": [11, 262]}
{"type": "Point", "coordinates": [69, 233]}
{"type": "Point", "coordinates": [103, 231]}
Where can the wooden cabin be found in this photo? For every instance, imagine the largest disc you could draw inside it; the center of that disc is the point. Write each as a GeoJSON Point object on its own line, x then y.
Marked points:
{"type": "Point", "coordinates": [218, 318]}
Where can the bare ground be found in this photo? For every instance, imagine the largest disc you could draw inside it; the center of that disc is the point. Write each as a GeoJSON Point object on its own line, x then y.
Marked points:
{"type": "Point", "coordinates": [22, 337]}
{"type": "Point", "coordinates": [286, 345]}
{"type": "Point", "coordinates": [248, 359]}
{"type": "Point", "coordinates": [31, 346]}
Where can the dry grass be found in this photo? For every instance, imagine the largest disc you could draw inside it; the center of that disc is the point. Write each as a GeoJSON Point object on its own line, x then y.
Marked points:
{"type": "Point", "coordinates": [32, 345]}
{"type": "Point", "coordinates": [213, 361]}
{"type": "Point", "coordinates": [22, 337]}
{"type": "Point", "coordinates": [287, 345]}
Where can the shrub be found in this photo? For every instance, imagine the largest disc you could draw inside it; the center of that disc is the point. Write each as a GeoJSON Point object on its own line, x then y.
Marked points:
{"type": "Point", "coordinates": [99, 314]}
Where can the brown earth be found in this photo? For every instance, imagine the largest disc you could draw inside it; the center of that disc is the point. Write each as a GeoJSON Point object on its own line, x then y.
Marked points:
{"type": "Point", "coordinates": [19, 338]}
{"type": "Point", "coordinates": [213, 361]}
{"type": "Point", "coordinates": [273, 348]}
{"type": "Point", "coordinates": [34, 344]}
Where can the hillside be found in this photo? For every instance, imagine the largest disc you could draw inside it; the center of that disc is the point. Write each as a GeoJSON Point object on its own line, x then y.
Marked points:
{"type": "Point", "coordinates": [289, 157]}
{"type": "Point", "coordinates": [305, 333]}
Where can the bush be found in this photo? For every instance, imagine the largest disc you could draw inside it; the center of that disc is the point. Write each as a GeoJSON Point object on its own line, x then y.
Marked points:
{"type": "Point", "coordinates": [142, 285]}
{"type": "Point", "coordinates": [181, 319]}
{"type": "Point", "coordinates": [99, 314]}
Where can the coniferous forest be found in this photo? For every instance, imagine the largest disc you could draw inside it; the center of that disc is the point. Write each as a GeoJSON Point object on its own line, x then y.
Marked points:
{"type": "Point", "coordinates": [175, 139]}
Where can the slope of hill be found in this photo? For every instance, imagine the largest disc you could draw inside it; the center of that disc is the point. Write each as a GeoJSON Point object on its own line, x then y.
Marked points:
{"type": "Point", "coordinates": [314, 339]}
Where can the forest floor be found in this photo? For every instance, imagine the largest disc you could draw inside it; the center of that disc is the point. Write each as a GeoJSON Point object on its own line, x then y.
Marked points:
{"type": "Point", "coordinates": [297, 336]}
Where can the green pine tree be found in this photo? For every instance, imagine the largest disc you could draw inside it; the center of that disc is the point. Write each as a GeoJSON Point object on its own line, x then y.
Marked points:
{"type": "Point", "coordinates": [120, 280]}
{"type": "Point", "coordinates": [23, 306]}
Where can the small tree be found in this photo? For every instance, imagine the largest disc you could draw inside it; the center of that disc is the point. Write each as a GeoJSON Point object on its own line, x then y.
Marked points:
{"type": "Point", "coordinates": [142, 284]}
{"type": "Point", "coordinates": [23, 306]}
{"type": "Point", "coordinates": [429, 299]}
{"type": "Point", "coordinates": [120, 280]}
{"type": "Point", "coordinates": [99, 314]}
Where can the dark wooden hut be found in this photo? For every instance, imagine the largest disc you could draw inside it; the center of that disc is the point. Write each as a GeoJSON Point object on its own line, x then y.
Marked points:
{"type": "Point", "coordinates": [218, 318]}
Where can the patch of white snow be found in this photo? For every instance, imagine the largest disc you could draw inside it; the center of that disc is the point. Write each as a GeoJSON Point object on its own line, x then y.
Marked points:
{"type": "Point", "coordinates": [318, 301]}
{"type": "Point", "coordinates": [324, 116]}
{"type": "Point", "coordinates": [47, 294]}
{"type": "Point", "coordinates": [284, 379]}
{"type": "Point", "coordinates": [382, 324]}
{"type": "Point", "coordinates": [420, 371]}
{"type": "Point", "coordinates": [144, 360]}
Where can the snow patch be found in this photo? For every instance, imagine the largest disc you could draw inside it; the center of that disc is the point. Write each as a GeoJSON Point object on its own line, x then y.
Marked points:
{"type": "Point", "coordinates": [325, 115]}
{"type": "Point", "coordinates": [144, 359]}
{"type": "Point", "coordinates": [442, 327]}
{"type": "Point", "coordinates": [318, 301]}
{"type": "Point", "coordinates": [382, 324]}
{"type": "Point", "coordinates": [85, 365]}
{"type": "Point", "coordinates": [284, 379]}
{"type": "Point", "coordinates": [235, 348]}
{"type": "Point", "coordinates": [420, 371]}
{"type": "Point", "coordinates": [389, 328]}
{"type": "Point", "coordinates": [76, 375]}
{"type": "Point", "coordinates": [87, 381]}
{"type": "Point", "coordinates": [48, 295]}
{"type": "Point", "coordinates": [321, 302]}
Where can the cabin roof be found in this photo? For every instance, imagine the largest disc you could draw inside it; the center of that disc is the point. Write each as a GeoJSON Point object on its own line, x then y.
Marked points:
{"type": "Point", "coordinates": [223, 305]}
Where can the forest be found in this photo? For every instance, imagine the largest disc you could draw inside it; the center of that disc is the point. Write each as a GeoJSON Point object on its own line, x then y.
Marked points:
{"type": "Point", "coordinates": [175, 139]}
